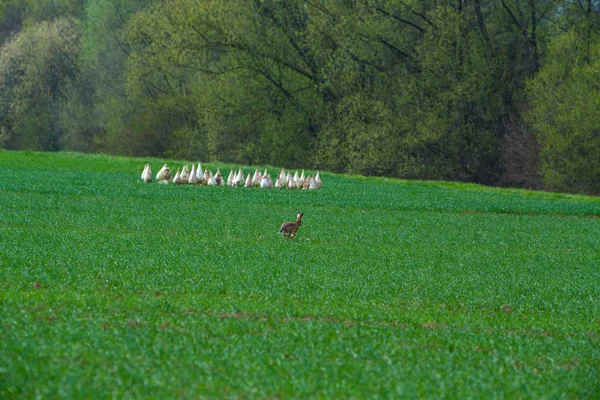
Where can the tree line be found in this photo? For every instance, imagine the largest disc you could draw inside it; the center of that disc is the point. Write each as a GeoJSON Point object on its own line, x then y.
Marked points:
{"type": "Point", "coordinates": [499, 92]}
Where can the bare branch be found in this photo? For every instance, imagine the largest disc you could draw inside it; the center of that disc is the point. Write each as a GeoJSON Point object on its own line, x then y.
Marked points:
{"type": "Point", "coordinates": [398, 18]}
{"type": "Point", "coordinates": [480, 20]}
{"type": "Point", "coordinates": [515, 20]}
{"type": "Point", "coordinates": [418, 14]}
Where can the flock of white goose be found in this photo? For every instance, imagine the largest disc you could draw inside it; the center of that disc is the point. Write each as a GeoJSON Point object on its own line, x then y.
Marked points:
{"type": "Point", "coordinates": [199, 177]}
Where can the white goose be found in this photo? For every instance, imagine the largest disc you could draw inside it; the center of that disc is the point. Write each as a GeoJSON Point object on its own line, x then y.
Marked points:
{"type": "Point", "coordinates": [307, 182]}
{"type": "Point", "coordinates": [177, 180]}
{"type": "Point", "coordinates": [164, 175]}
{"type": "Point", "coordinates": [313, 183]}
{"type": "Point", "coordinates": [147, 174]}
{"type": "Point", "coordinates": [185, 174]}
{"type": "Point", "coordinates": [239, 179]}
{"type": "Point", "coordinates": [256, 178]}
{"type": "Point", "coordinates": [193, 179]}
{"type": "Point", "coordinates": [278, 183]}
{"type": "Point", "coordinates": [301, 180]}
{"type": "Point", "coordinates": [264, 182]}
{"type": "Point", "coordinates": [269, 180]}
{"type": "Point", "coordinates": [209, 178]}
{"type": "Point", "coordinates": [200, 174]}
{"type": "Point", "coordinates": [248, 183]}
{"type": "Point", "coordinates": [283, 178]}
{"type": "Point", "coordinates": [219, 178]}
{"type": "Point", "coordinates": [291, 184]}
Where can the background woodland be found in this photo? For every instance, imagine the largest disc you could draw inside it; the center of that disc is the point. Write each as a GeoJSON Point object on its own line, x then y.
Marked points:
{"type": "Point", "coordinates": [499, 92]}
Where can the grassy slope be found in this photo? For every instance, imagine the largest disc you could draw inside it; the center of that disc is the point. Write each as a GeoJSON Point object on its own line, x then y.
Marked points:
{"type": "Point", "coordinates": [112, 287]}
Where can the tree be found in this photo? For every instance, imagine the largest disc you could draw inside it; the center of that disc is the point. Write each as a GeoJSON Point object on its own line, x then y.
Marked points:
{"type": "Point", "coordinates": [427, 89]}
{"type": "Point", "coordinates": [565, 113]}
{"type": "Point", "coordinates": [96, 114]}
{"type": "Point", "coordinates": [34, 66]}
{"type": "Point", "coordinates": [235, 74]}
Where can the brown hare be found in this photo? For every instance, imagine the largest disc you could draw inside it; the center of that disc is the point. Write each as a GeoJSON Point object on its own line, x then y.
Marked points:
{"type": "Point", "coordinates": [289, 229]}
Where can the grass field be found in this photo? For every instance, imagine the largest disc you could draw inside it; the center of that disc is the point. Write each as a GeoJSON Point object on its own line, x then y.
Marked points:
{"type": "Point", "coordinates": [114, 288]}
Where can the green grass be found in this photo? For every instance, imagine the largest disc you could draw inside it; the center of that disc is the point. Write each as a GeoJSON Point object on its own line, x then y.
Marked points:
{"type": "Point", "coordinates": [110, 287]}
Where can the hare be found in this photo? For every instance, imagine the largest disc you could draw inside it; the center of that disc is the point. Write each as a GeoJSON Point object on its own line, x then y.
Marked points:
{"type": "Point", "coordinates": [289, 229]}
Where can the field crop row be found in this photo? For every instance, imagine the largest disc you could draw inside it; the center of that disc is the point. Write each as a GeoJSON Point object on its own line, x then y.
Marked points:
{"type": "Point", "coordinates": [111, 287]}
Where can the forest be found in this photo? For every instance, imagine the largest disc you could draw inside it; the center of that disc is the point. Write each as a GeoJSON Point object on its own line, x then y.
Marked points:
{"type": "Point", "coordinates": [497, 92]}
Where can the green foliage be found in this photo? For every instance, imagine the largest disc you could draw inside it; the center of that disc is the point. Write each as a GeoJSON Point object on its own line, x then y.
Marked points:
{"type": "Point", "coordinates": [402, 88]}
{"type": "Point", "coordinates": [116, 121]}
{"type": "Point", "coordinates": [15, 14]}
{"type": "Point", "coordinates": [11, 19]}
{"type": "Point", "coordinates": [227, 77]}
{"type": "Point", "coordinates": [37, 11]}
{"type": "Point", "coordinates": [111, 287]}
{"type": "Point", "coordinates": [454, 103]}
{"type": "Point", "coordinates": [566, 100]}
{"type": "Point", "coordinates": [34, 66]}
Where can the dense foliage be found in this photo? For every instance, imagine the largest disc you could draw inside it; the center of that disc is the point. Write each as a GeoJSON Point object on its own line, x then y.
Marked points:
{"type": "Point", "coordinates": [499, 92]}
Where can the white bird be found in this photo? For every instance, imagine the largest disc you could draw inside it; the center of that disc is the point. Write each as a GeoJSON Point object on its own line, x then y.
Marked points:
{"type": "Point", "coordinates": [239, 179]}
{"type": "Point", "coordinates": [193, 179]}
{"type": "Point", "coordinates": [210, 179]}
{"type": "Point", "coordinates": [264, 182]}
{"type": "Point", "coordinates": [278, 183]}
{"type": "Point", "coordinates": [256, 178]}
{"type": "Point", "coordinates": [283, 177]}
{"type": "Point", "coordinates": [231, 178]}
{"type": "Point", "coordinates": [164, 174]}
{"type": "Point", "coordinates": [306, 183]}
{"type": "Point", "coordinates": [301, 180]}
{"type": "Point", "coordinates": [219, 178]}
{"type": "Point", "coordinates": [291, 184]}
{"type": "Point", "coordinates": [185, 174]}
{"type": "Point", "coordinates": [296, 178]}
{"type": "Point", "coordinates": [248, 181]}
{"type": "Point", "coordinates": [200, 174]}
{"type": "Point", "coordinates": [177, 180]}
{"type": "Point", "coordinates": [318, 180]}
{"type": "Point", "coordinates": [147, 174]}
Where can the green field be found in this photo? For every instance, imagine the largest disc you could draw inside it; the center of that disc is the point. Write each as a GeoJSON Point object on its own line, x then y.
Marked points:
{"type": "Point", "coordinates": [114, 288]}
